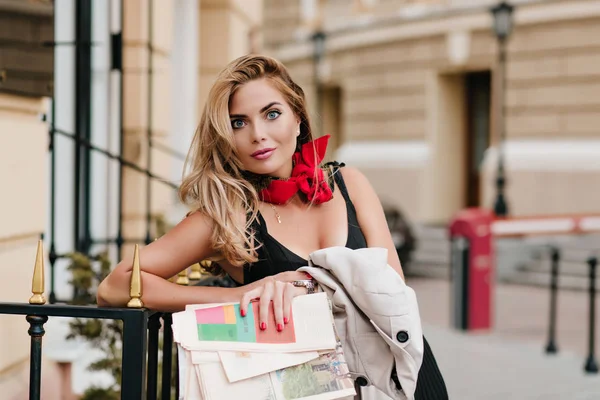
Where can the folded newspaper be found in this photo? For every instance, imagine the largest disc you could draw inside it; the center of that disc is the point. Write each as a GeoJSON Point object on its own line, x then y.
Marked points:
{"type": "Point", "coordinates": [223, 355]}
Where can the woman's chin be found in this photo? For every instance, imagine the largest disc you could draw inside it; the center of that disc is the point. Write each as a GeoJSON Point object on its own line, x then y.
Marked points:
{"type": "Point", "coordinates": [261, 170]}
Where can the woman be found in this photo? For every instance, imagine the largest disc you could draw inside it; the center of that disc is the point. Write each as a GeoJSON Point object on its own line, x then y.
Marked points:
{"type": "Point", "coordinates": [261, 203]}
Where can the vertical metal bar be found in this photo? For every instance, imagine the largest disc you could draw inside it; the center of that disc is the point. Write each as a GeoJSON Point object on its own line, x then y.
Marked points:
{"type": "Point", "coordinates": [149, 122]}
{"type": "Point", "coordinates": [119, 240]}
{"type": "Point", "coordinates": [36, 331]}
{"type": "Point", "coordinates": [551, 347]}
{"type": "Point", "coordinates": [460, 281]}
{"type": "Point", "coordinates": [500, 205]}
{"type": "Point", "coordinates": [591, 365]}
{"type": "Point", "coordinates": [466, 279]}
{"type": "Point", "coordinates": [167, 363]}
{"type": "Point", "coordinates": [153, 328]}
{"type": "Point", "coordinates": [318, 38]}
{"type": "Point", "coordinates": [135, 345]}
{"type": "Point", "coordinates": [52, 257]}
{"type": "Point", "coordinates": [83, 78]}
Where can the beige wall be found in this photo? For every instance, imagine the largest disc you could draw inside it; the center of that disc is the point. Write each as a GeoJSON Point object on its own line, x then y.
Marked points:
{"type": "Point", "coordinates": [23, 179]}
{"type": "Point", "coordinates": [146, 108]}
{"type": "Point", "coordinates": [400, 85]}
{"type": "Point", "coordinates": [226, 32]}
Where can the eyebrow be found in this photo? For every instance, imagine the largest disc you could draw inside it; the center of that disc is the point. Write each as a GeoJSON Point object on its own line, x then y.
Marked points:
{"type": "Point", "coordinates": [262, 110]}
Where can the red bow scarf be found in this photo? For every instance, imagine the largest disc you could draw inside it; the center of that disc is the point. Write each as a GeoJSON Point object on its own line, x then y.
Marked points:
{"type": "Point", "coordinates": [305, 170]}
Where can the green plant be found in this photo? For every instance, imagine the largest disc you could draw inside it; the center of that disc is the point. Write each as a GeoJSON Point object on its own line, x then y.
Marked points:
{"type": "Point", "coordinates": [101, 334]}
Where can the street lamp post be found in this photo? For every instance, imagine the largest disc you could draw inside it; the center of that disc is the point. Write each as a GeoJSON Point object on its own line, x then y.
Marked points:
{"type": "Point", "coordinates": [318, 39]}
{"type": "Point", "coordinates": [503, 24]}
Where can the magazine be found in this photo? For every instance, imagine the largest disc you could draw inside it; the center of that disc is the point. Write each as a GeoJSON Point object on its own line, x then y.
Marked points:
{"type": "Point", "coordinates": [220, 326]}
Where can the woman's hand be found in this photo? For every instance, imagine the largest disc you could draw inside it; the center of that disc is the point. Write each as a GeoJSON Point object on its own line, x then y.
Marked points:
{"type": "Point", "coordinates": [277, 289]}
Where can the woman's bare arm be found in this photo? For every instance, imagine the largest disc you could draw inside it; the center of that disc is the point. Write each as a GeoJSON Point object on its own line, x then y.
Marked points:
{"type": "Point", "coordinates": [184, 245]}
{"type": "Point", "coordinates": [371, 217]}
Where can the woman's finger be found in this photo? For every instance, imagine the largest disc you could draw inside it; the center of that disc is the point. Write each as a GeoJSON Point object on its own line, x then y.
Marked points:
{"type": "Point", "coordinates": [265, 303]}
{"type": "Point", "coordinates": [278, 304]}
{"type": "Point", "coordinates": [288, 296]}
{"type": "Point", "coordinates": [247, 297]}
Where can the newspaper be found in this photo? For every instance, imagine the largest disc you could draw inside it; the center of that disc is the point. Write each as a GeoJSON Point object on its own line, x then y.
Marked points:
{"type": "Point", "coordinates": [240, 362]}
{"type": "Point", "coordinates": [243, 365]}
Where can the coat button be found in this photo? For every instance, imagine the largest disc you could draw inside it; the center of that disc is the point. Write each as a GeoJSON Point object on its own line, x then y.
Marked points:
{"type": "Point", "coordinates": [402, 336]}
{"type": "Point", "coordinates": [362, 381]}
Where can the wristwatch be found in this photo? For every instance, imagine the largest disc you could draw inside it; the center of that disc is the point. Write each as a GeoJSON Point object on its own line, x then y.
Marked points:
{"type": "Point", "coordinates": [309, 284]}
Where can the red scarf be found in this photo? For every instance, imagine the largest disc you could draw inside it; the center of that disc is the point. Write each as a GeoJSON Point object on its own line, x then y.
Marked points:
{"type": "Point", "coordinates": [306, 167]}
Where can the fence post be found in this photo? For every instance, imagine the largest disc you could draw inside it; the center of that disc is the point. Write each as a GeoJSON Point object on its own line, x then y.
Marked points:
{"type": "Point", "coordinates": [135, 345]}
{"type": "Point", "coordinates": [36, 331]}
{"type": "Point", "coordinates": [153, 328]}
{"type": "Point", "coordinates": [591, 365]}
{"type": "Point", "coordinates": [551, 347]}
{"type": "Point", "coordinates": [167, 364]}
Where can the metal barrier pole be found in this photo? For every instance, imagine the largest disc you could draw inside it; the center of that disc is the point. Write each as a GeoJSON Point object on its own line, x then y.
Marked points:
{"type": "Point", "coordinates": [36, 331]}
{"type": "Point", "coordinates": [591, 365]}
{"type": "Point", "coordinates": [551, 347]}
{"type": "Point", "coordinates": [149, 133]}
{"type": "Point", "coordinates": [460, 282]}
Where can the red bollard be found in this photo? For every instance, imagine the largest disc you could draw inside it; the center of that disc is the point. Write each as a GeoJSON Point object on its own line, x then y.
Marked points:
{"type": "Point", "coordinates": [472, 269]}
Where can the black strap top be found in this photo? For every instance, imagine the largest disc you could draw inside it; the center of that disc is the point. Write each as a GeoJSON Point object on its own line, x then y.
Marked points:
{"type": "Point", "coordinates": [274, 258]}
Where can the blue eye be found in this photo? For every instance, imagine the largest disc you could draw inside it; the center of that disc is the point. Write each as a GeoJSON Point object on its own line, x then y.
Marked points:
{"type": "Point", "coordinates": [237, 124]}
{"type": "Point", "coordinates": [273, 114]}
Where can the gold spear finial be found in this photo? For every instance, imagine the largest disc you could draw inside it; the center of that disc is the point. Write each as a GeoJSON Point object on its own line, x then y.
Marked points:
{"type": "Point", "coordinates": [135, 288]}
{"type": "Point", "coordinates": [205, 264]}
{"type": "Point", "coordinates": [196, 273]}
{"type": "Point", "coordinates": [38, 284]}
{"type": "Point", "coordinates": [182, 278]}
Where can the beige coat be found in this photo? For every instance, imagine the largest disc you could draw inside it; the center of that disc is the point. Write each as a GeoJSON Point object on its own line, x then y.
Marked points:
{"type": "Point", "coordinates": [376, 316]}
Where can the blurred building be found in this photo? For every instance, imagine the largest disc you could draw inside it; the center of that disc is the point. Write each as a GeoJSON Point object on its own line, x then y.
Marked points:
{"type": "Point", "coordinates": [94, 81]}
{"type": "Point", "coordinates": [409, 90]}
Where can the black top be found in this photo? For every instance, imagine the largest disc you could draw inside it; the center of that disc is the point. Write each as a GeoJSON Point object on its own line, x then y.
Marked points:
{"type": "Point", "coordinates": [273, 257]}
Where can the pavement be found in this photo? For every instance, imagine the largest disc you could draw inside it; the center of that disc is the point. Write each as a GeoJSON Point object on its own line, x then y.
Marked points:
{"type": "Point", "coordinates": [509, 361]}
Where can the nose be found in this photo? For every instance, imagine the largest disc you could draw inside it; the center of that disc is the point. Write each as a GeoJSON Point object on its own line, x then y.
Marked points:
{"type": "Point", "coordinates": [258, 134]}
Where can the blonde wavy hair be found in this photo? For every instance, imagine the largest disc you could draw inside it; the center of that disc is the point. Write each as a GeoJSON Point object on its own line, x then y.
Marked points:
{"type": "Point", "coordinates": [213, 183]}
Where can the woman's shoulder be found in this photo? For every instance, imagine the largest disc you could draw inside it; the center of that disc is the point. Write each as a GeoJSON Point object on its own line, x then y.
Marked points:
{"type": "Point", "coordinates": [358, 186]}
{"type": "Point", "coordinates": [352, 176]}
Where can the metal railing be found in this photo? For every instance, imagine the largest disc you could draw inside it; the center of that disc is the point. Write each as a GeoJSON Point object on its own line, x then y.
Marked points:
{"type": "Point", "coordinates": [141, 334]}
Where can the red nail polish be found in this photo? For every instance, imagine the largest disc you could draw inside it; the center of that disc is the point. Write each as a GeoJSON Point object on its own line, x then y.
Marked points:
{"type": "Point", "coordinates": [308, 275]}
{"type": "Point", "coordinates": [263, 326]}
{"type": "Point", "coordinates": [279, 327]}
{"type": "Point", "coordinates": [243, 312]}
{"type": "Point", "coordinates": [286, 320]}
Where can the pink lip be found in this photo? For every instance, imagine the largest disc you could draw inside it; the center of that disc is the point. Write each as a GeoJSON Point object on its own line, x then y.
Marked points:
{"type": "Point", "coordinates": [263, 154]}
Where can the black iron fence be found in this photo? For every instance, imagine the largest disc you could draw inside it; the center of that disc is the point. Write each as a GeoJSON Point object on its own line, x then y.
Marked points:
{"type": "Point", "coordinates": [140, 367]}
{"type": "Point", "coordinates": [140, 343]}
